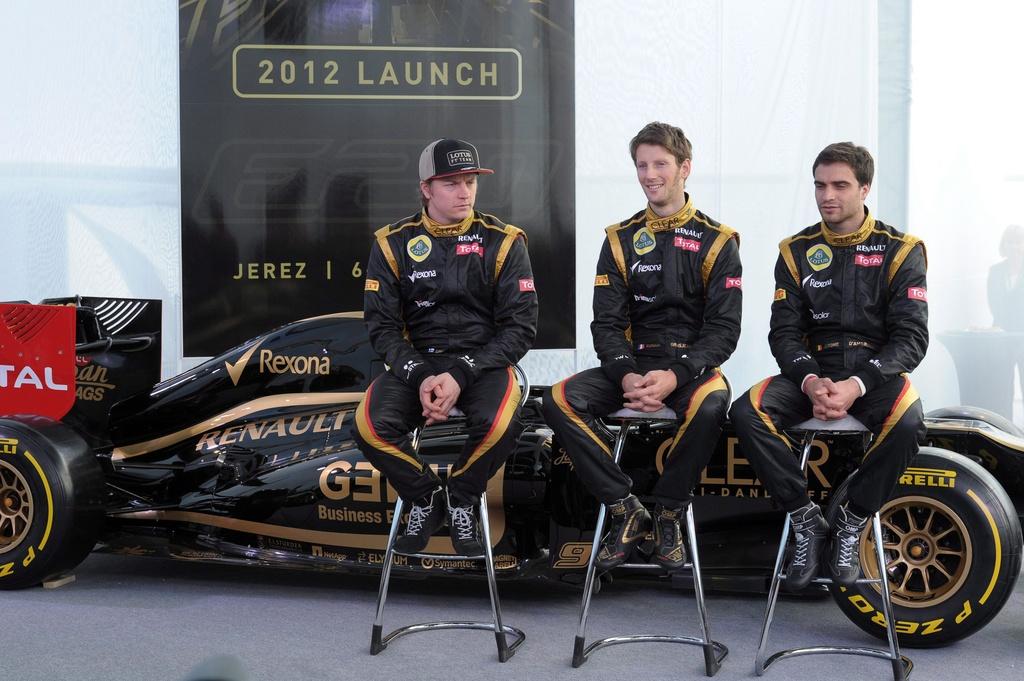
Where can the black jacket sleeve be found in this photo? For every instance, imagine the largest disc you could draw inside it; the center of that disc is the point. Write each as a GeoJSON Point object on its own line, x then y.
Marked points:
{"type": "Point", "coordinates": [723, 308]}
{"type": "Point", "coordinates": [610, 327]}
{"type": "Point", "coordinates": [789, 326]}
{"type": "Point", "coordinates": [515, 316]}
{"type": "Point", "coordinates": [906, 320]}
{"type": "Point", "coordinates": [382, 311]}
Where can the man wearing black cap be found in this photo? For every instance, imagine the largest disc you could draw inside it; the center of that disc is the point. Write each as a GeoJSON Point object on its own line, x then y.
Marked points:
{"type": "Point", "coordinates": [450, 303]}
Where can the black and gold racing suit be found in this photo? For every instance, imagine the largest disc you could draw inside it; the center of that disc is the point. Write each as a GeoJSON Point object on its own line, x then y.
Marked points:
{"type": "Point", "coordinates": [667, 295]}
{"type": "Point", "coordinates": [845, 306]}
{"type": "Point", "coordinates": [446, 298]}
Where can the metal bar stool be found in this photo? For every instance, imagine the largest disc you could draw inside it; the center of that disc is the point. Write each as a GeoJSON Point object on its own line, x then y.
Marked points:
{"type": "Point", "coordinates": [714, 652]}
{"type": "Point", "coordinates": [901, 665]}
{"type": "Point", "coordinates": [379, 642]}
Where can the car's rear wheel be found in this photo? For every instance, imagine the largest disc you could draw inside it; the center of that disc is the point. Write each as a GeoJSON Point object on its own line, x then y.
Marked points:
{"type": "Point", "coordinates": [51, 500]}
{"type": "Point", "coordinates": [952, 543]}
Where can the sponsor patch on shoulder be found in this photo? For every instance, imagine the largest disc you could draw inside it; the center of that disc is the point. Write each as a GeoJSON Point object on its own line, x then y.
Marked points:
{"type": "Point", "coordinates": [734, 282]}
{"type": "Point", "coordinates": [780, 294]}
{"type": "Point", "coordinates": [601, 280]}
{"type": "Point", "coordinates": [917, 293]}
{"type": "Point", "coordinates": [526, 285]}
{"type": "Point", "coordinates": [372, 285]}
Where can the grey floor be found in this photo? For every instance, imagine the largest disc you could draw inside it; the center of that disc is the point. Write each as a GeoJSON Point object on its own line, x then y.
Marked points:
{"type": "Point", "coordinates": [128, 618]}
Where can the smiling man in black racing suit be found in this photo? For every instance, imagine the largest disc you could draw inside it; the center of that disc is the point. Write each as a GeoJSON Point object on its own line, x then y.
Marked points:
{"type": "Point", "coordinates": [849, 321]}
{"type": "Point", "coordinates": [450, 304]}
{"type": "Point", "coordinates": [667, 305]}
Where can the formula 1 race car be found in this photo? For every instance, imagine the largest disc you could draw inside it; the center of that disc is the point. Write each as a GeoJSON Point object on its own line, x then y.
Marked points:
{"type": "Point", "coordinates": [249, 459]}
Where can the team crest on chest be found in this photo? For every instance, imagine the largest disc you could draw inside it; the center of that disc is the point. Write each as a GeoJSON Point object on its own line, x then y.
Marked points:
{"type": "Point", "coordinates": [419, 248]}
{"type": "Point", "coordinates": [819, 257]}
{"type": "Point", "coordinates": [643, 241]}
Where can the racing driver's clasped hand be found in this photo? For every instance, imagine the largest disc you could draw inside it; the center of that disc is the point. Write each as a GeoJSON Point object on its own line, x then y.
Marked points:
{"type": "Point", "coordinates": [830, 400]}
{"type": "Point", "coordinates": [645, 393]}
{"type": "Point", "coordinates": [438, 394]}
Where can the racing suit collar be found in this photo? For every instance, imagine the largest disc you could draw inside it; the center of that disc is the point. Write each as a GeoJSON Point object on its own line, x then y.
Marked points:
{"type": "Point", "coordinates": [862, 233]}
{"type": "Point", "coordinates": [660, 224]}
{"type": "Point", "coordinates": [437, 229]}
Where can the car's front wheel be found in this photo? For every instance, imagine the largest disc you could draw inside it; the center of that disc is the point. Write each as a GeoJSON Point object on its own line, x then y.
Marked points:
{"type": "Point", "coordinates": [952, 544]}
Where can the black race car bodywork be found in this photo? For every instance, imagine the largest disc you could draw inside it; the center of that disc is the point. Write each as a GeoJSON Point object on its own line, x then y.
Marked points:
{"type": "Point", "coordinates": [249, 458]}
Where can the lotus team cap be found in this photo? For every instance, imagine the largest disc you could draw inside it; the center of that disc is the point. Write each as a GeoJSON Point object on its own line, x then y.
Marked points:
{"type": "Point", "coordinates": [445, 157]}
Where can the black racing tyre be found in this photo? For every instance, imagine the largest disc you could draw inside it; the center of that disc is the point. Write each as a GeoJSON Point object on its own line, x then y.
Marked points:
{"type": "Point", "coordinates": [952, 543]}
{"type": "Point", "coordinates": [51, 500]}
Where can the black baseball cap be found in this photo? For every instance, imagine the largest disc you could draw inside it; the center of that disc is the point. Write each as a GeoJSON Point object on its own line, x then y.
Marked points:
{"type": "Point", "coordinates": [445, 157]}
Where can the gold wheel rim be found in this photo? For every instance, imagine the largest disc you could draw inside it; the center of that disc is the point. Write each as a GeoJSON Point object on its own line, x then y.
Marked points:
{"type": "Point", "coordinates": [927, 551]}
{"type": "Point", "coordinates": [16, 507]}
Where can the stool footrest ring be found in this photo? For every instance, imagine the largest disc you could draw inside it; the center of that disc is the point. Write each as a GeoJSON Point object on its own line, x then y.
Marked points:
{"type": "Point", "coordinates": [581, 653]}
{"type": "Point", "coordinates": [652, 567]}
{"type": "Point", "coordinates": [879, 653]}
{"type": "Point", "coordinates": [442, 556]}
{"type": "Point", "coordinates": [505, 650]}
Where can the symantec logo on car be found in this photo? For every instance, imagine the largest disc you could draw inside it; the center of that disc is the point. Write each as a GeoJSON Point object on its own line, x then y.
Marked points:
{"type": "Point", "coordinates": [37, 359]}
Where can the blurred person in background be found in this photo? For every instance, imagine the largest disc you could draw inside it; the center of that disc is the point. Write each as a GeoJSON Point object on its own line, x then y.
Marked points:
{"type": "Point", "coordinates": [1006, 292]}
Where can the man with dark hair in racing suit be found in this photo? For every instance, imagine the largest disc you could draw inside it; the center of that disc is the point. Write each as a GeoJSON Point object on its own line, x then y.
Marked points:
{"type": "Point", "coordinates": [667, 305]}
{"type": "Point", "coordinates": [849, 321]}
{"type": "Point", "coordinates": [450, 303]}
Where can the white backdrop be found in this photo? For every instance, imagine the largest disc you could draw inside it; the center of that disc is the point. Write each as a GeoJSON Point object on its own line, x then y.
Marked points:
{"type": "Point", "coordinates": [89, 154]}
{"type": "Point", "coordinates": [966, 164]}
{"type": "Point", "coordinates": [89, 144]}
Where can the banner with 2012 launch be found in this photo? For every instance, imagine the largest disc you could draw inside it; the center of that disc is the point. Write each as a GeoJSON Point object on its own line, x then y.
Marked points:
{"type": "Point", "coordinates": [302, 122]}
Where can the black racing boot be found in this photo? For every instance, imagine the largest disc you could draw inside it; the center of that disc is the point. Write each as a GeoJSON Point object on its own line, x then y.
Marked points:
{"type": "Point", "coordinates": [464, 528]}
{"type": "Point", "coordinates": [669, 550]}
{"type": "Point", "coordinates": [844, 554]}
{"type": "Point", "coordinates": [426, 516]}
{"type": "Point", "coordinates": [809, 533]}
{"type": "Point", "coordinates": [628, 523]}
